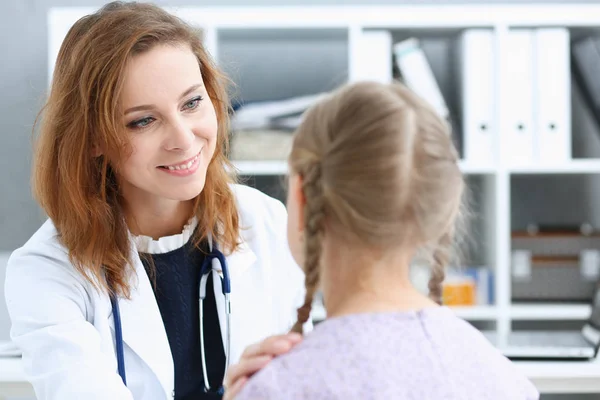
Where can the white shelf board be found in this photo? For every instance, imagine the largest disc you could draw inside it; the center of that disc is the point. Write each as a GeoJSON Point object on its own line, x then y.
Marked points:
{"type": "Point", "coordinates": [475, 313]}
{"type": "Point", "coordinates": [318, 312]}
{"type": "Point", "coordinates": [281, 168]}
{"type": "Point", "coordinates": [562, 376]}
{"type": "Point", "coordinates": [476, 169]}
{"type": "Point", "coordinates": [577, 166]}
{"type": "Point", "coordinates": [531, 312]}
{"type": "Point", "coordinates": [401, 16]}
{"type": "Point", "coordinates": [261, 167]}
{"type": "Point", "coordinates": [522, 312]}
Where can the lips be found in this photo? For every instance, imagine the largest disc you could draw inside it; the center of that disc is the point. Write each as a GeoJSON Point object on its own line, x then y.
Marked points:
{"type": "Point", "coordinates": [182, 165]}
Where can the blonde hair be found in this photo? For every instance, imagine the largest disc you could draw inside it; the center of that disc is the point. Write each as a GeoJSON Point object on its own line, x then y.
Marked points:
{"type": "Point", "coordinates": [378, 166]}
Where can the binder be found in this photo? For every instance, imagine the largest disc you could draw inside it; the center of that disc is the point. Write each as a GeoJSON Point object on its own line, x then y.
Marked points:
{"type": "Point", "coordinates": [373, 61]}
{"type": "Point", "coordinates": [259, 115]}
{"type": "Point", "coordinates": [586, 69]}
{"type": "Point", "coordinates": [518, 67]}
{"type": "Point", "coordinates": [552, 95]}
{"type": "Point", "coordinates": [418, 76]}
{"type": "Point", "coordinates": [477, 59]}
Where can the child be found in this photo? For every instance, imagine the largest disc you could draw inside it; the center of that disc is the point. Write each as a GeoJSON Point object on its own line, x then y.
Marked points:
{"type": "Point", "coordinates": [374, 182]}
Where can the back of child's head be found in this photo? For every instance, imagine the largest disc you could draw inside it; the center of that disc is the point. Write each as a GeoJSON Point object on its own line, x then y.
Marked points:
{"type": "Point", "coordinates": [379, 170]}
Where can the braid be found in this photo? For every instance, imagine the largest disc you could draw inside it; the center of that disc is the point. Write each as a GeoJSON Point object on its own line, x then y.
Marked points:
{"type": "Point", "coordinates": [313, 226]}
{"type": "Point", "coordinates": [438, 273]}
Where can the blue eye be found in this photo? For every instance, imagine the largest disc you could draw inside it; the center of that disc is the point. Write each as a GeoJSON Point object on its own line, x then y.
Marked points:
{"type": "Point", "coordinates": [140, 123]}
{"type": "Point", "coordinates": [193, 103]}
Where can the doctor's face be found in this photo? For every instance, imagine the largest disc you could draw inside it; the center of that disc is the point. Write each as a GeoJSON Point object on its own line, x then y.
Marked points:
{"type": "Point", "coordinates": [171, 124]}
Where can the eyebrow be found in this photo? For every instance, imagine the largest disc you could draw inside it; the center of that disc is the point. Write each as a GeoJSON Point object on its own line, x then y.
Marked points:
{"type": "Point", "coordinates": [152, 106]}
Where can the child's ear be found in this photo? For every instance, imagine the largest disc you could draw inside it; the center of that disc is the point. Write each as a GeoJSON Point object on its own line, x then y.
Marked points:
{"type": "Point", "coordinates": [300, 199]}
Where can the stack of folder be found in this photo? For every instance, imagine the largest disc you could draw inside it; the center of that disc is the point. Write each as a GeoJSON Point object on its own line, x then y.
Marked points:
{"type": "Point", "coordinates": [538, 95]}
{"type": "Point", "coordinates": [534, 80]}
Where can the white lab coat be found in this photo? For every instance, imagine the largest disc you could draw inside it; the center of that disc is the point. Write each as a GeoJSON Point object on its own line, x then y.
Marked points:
{"type": "Point", "coordinates": [66, 331]}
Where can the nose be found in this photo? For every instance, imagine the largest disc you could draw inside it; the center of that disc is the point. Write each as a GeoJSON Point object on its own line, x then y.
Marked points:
{"type": "Point", "coordinates": [180, 136]}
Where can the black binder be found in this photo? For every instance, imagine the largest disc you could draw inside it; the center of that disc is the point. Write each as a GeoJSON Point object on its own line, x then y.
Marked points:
{"type": "Point", "coordinates": [586, 69]}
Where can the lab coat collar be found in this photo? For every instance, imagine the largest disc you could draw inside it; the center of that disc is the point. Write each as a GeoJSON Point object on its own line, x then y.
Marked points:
{"type": "Point", "coordinates": [142, 325]}
{"type": "Point", "coordinates": [238, 261]}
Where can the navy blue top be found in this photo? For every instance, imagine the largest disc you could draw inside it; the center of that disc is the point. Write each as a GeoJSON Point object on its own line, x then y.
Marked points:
{"type": "Point", "coordinates": [176, 291]}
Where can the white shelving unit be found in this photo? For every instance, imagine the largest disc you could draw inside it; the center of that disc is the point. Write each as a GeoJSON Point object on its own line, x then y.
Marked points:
{"type": "Point", "coordinates": [532, 312]}
{"type": "Point", "coordinates": [261, 167]}
{"type": "Point", "coordinates": [476, 313]}
{"type": "Point", "coordinates": [413, 18]}
{"type": "Point", "coordinates": [581, 166]}
{"type": "Point", "coordinates": [281, 168]}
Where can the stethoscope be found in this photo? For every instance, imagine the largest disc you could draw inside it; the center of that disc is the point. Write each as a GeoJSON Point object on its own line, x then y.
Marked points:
{"type": "Point", "coordinates": [205, 272]}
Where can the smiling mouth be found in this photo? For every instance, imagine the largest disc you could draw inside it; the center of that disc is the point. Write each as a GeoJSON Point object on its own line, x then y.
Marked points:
{"type": "Point", "coordinates": [183, 166]}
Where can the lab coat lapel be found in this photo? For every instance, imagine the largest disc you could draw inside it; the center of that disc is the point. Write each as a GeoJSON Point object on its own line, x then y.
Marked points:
{"type": "Point", "coordinates": [238, 262]}
{"type": "Point", "coordinates": [251, 303]}
{"type": "Point", "coordinates": [143, 328]}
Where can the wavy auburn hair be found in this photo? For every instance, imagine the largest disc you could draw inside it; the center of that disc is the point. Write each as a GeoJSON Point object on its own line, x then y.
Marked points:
{"type": "Point", "coordinates": [78, 191]}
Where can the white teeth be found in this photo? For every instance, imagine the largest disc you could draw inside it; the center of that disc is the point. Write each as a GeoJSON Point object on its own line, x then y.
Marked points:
{"type": "Point", "coordinates": [184, 166]}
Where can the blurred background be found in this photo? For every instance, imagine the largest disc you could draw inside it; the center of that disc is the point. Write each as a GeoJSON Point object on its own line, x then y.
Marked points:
{"type": "Point", "coordinates": [508, 277]}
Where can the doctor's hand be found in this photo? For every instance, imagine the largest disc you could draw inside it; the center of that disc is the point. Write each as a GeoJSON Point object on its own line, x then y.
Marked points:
{"type": "Point", "coordinates": [255, 358]}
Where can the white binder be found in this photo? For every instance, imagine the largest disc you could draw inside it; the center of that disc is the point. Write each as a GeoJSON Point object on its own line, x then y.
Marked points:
{"type": "Point", "coordinates": [519, 68]}
{"type": "Point", "coordinates": [418, 75]}
{"type": "Point", "coordinates": [373, 60]}
{"type": "Point", "coordinates": [552, 95]}
{"type": "Point", "coordinates": [478, 60]}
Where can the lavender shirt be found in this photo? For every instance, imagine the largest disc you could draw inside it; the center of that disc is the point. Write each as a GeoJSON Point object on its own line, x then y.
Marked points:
{"type": "Point", "coordinates": [430, 354]}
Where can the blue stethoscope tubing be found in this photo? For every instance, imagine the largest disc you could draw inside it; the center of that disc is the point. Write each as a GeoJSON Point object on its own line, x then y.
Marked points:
{"type": "Point", "coordinates": [226, 289]}
{"type": "Point", "coordinates": [118, 338]}
{"type": "Point", "coordinates": [205, 272]}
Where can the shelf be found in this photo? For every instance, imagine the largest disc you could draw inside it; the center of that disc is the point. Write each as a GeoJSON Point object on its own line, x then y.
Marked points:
{"type": "Point", "coordinates": [261, 167]}
{"type": "Point", "coordinates": [476, 313]}
{"type": "Point", "coordinates": [402, 16]}
{"type": "Point", "coordinates": [281, 168]}
{"type": "Point", "coordinates": [318, 312]}
{"type": "Point", "coordinates": [475, 169]}
{"type": "Point", "coordinates": [518, 312]}
{"type": "Point", "coordinates": [587, 166]}
{"type": "Point", "coordinates": [546, 312]}
{"type": "Point", "coordinates": [580, 166]}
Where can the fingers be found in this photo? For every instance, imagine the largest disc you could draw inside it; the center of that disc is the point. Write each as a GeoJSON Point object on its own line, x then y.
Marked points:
{"type": "Point", "coordinates": [244, 369]}
{"type": "Point", "coordinates": [273, 346]}
{"type": "Point", "coordinates": [256, 357]}
{"type": "Point", "coordinates": [235, 389]}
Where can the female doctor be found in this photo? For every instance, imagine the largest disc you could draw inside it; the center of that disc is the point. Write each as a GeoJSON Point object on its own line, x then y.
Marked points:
{"type": "Point", "coordinates": [130, 166]}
